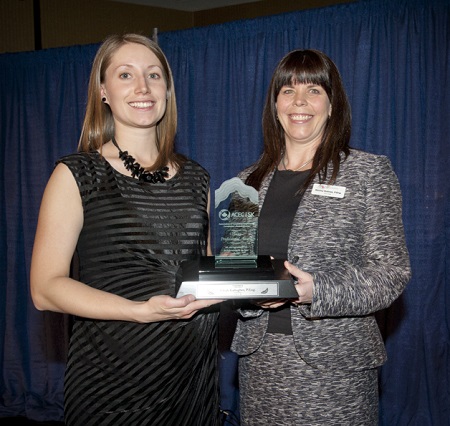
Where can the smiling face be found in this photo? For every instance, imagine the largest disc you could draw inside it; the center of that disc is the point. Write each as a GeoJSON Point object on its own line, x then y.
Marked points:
{"type": "Point", "coordinates": [303, 111]}
{"type": "Point", "coordinates": [134, 87]}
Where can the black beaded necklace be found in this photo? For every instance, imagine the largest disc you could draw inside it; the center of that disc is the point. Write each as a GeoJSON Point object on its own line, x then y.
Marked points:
{"type": "Point", "coordinates": [138, 171]}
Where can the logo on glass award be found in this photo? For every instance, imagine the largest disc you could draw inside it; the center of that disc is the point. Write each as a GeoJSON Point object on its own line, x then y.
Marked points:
{"type": "Point", "coordinates": [236, 223]}
{"type": "Point", "coordinates": [236, 271]}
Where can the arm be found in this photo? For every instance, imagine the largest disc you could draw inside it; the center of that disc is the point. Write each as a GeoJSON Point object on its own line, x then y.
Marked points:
{"type": "Point", "coordinates": [374, 283]}
{"type": "Point", "coordinates": [59, 225]}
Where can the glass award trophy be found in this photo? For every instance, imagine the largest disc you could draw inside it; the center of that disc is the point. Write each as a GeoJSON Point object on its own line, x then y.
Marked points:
{"type": "Point", "coordinates": [235, 271]}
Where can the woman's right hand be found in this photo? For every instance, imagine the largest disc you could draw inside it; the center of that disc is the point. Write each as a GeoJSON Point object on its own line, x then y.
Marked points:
{"type": "Point", "coordinates": [163, 307]}
{"type": "Point", "coordinates": [52, 289]}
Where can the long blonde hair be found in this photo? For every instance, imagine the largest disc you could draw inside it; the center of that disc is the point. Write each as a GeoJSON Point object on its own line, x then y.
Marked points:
{"type": "Point", "coordinates": [98, 126]}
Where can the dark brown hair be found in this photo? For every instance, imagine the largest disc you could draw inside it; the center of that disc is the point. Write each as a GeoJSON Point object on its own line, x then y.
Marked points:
{"type": "Point", "coordinates": [307, 67]}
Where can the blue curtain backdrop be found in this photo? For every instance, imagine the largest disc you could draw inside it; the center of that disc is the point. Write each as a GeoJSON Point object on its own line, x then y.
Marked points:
{"type": "Point", "coordinates": [394, 57]}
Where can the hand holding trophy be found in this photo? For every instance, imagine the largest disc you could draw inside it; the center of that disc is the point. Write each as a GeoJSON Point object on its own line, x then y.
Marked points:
{"type": "Point", "coordinates": [235, 271]}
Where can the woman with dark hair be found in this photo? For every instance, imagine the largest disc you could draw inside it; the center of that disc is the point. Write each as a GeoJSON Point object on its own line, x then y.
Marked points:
{"type": "Point", "coordinates": [335, 214]}
{"type": "Point", "coordinates": [133, 210]}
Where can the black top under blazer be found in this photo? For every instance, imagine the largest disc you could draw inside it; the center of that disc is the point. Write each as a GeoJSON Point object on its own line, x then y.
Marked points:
{"type": "Point", "coordinates": [355, 249]}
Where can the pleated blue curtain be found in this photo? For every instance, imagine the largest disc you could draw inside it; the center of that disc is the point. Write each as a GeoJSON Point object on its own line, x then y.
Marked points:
{"type": "Point", "coordinates": [41, 109]}
{"type": "Point", "coordinates": [395, 62]}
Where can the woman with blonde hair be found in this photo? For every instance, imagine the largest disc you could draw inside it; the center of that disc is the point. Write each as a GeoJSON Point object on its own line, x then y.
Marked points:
{"type": "Point", "coordinates": [132, 209]}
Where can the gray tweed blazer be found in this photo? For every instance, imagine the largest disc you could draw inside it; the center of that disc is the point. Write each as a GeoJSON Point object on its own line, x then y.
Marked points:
{"type": "Point", "coordinates": [355, 249]}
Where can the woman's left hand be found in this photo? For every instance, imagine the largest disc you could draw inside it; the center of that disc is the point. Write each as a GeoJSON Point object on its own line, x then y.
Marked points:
{"type": "Point", "coordinates": [304, 284]}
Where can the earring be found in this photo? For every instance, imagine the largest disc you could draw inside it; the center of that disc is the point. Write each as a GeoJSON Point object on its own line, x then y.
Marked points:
{"type": "Point", "coordinates": [103, 99]}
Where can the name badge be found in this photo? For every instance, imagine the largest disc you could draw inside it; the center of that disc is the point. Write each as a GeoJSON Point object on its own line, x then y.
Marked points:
{"type": "Point", "coordinates": [328, 190]}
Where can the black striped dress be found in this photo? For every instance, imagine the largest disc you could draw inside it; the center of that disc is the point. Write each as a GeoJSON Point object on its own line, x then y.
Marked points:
{"type": "Point", "coordinates": [134, 236]}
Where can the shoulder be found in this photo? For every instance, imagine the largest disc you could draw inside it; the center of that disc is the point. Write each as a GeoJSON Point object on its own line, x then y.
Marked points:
{"type": "Point", "coordinates": [246, 172]}
{"type": "Point", "coordinates": [365, 160]}
{"type": "Point", "coordinates": [366, 165]}
{"type": "Point", "coordinates": [80, 159]}
{"type": "Point", "coordinates": [87, 168]}
{"type": "Point", "coordinates": [372, 172]}
{"type": "Point", "coordinates": [194, 165]}
{"type": "Point", "coordinates": [78, 156]}
{"type": "Point", "coordinates": [191, 169]}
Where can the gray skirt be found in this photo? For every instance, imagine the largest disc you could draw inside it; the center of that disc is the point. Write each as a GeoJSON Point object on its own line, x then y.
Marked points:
{"type": "Point", "coordinates": [277, 388]}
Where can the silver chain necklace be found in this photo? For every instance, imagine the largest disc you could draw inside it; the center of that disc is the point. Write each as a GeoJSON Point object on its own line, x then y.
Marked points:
{"type": "Point", "coordinates": [297, 169]}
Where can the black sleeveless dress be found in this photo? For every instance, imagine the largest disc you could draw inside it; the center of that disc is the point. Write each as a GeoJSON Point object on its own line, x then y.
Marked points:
{"type": "Point", "coordinates": [134, 237]}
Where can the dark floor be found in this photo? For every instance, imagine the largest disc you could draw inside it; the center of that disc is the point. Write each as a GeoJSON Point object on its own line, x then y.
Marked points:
{"type": "Point", "coordinates": [19, 421]}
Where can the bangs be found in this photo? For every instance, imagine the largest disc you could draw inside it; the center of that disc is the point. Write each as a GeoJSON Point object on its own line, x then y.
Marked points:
{"type": "Point", "coordinates": [304, 67]}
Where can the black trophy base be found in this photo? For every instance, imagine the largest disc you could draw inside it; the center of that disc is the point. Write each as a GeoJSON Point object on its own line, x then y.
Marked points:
{"type": "Point", "coordinates": [206, 278]}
